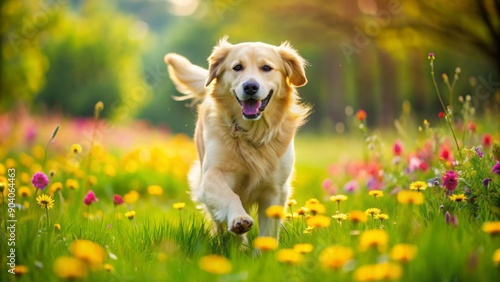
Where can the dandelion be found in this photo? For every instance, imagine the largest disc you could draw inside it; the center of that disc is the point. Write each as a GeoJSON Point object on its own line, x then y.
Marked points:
{"type": "Point", "coordinates": [418, 185]}
{"type": "Point", "coordinates": [108, 267]}
{"type": "Point", "coordinates": [375, 238]}
{"type": "Point", "coordinates": [361, 115]}
{"type": "Point", "coordinates": [291, 202]}
{"type": "Point", "coordinates": [76, 148]}
{"type": "Point", "coordinates": [308, 230]}
{"type": "Point", "coordinates": [55, 187]}
{"type": "Point", "coordinates": [410, 197]}
{"type": "Point", "coordinates": [130, 214]}
{"type": "Point", "coordinates": [318, 221]}
{"type": "Point", "coordinates": [117, 200]}
{"type": "Point", "coordinates": [131, 197]}
{"type": "Point", "coordinates": [89, 198]}
{"type": "Point", "coordinates": [376, 193]}
{"type": "Point", "coordinates": [358, 217]}
{"type": "Point", "coordinates": [155, 190]}
{"type": "Point", "coordinates": [403, 253]}
{"type": "Point", "coordinates": [289, 256]}
{"type": "Point", "coordinates": [303, 248]}
{"type": "Point", "coordinates": [57, 227]}
{"type": "Point", "coordinates": [89, 252]}
{"type": "Point", "coordinates": [215, 264]}
{"type": "Point", "coordinates": [302, 211]}
{"type": "Point", "coordinates": [340, 216]}
{"type": "Point", "coordinates": [72, 184]}
{"type": "Point", "coordinates": [381, 216]}
{"type": "Point", "coordinates": [458, 198]}
{"type": "Point", "coordinates": [315, 208]}
{"type": "Point", "coordinates": [20, 270]}
{"type": "Point", "coordinates": [372, 211]}
{"type": "Point", "coordinates": [334, 257]}
{"type": "Point", "coordinates": [70, 268]}
{"type": "Point", "coordinates": [45, 201]}
{"type": "Point", "coordinates": [179, 205]}
{"type": "Point", "coordinates": [496, 257]}
{"type": "Point", "coordinates": [492, 227]}
{"type": "Point", "coordinates": [450, 181]}
{"type": "Point", "coordinates": [338, 198]}
{"type": "Point", "coordinates": [40, 180]}
{"type": "Point", "coordinates": [275, 212]}
{"type": "Point", "coordinates": [91, 180]}
{"type": "Point", "coordinates": [265, 243]}
{"type": "Point", "coordinates": [23, 191]}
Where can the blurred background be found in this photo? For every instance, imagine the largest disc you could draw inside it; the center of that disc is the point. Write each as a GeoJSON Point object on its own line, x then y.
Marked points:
{"type": "Point", "coordinates": [59, 57]}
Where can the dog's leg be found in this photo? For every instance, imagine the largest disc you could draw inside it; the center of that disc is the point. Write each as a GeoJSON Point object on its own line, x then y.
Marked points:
{"type": "Point", "coordinates": [223, 203]}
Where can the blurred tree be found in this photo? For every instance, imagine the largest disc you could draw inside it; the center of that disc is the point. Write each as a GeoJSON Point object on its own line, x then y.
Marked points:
{"type": "Point", "coordinates": [93, 57]}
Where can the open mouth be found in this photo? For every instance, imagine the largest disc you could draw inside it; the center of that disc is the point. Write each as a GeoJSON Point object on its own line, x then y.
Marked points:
{"type": "Point", "coordinates": [251, 108]}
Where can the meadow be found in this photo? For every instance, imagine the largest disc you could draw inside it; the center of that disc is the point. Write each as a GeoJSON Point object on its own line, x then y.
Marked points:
{"type": "Point", "coordinates": [90, 200]}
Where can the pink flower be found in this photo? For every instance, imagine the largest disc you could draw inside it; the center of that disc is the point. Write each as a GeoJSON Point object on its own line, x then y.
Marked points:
{"type": "Point", "coordinates": [397, 149]}
{"type": "Point", "coordinates": [117, 199]}
{"type": "Point", "coordinates": [90, 197]}
{"type": "Point", "coordinates": [496, 168]}
{"type": "Point", "coordinates": [450, 181]}
{"type": "Point", "coordinates": [40, 180]}
{"type": "Point", "coordinates": [351, 186]}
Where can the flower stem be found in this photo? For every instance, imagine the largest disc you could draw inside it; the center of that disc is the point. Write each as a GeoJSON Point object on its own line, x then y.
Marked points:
{"type": "Point", "coordinates": [447, 113]}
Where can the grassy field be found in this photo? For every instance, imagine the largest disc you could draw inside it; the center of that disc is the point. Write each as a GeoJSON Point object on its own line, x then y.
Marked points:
{"type": "Point", "coordinates": [380, 230]}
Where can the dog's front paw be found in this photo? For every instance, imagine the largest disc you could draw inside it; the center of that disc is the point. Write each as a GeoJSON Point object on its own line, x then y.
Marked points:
{"type": "Point", "coordinates": [241, 224]}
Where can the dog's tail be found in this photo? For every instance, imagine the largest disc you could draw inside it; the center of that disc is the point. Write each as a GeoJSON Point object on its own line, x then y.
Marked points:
{"type": "Point", "coordinates": [189, 79]}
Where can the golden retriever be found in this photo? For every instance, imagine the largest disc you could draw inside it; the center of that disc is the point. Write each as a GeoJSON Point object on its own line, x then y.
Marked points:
{"type": "Point", "coordinates": [247, 119]}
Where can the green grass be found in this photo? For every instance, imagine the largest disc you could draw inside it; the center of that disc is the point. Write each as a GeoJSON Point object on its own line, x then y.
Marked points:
{"type": "Point", "coordinates": [164, 244]}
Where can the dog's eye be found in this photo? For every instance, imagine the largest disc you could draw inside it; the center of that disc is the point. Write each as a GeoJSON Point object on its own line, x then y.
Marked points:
{"type": "Point", "coordinates": [238, 67]}
{"type": "Point", "coordinates": [266, 68]}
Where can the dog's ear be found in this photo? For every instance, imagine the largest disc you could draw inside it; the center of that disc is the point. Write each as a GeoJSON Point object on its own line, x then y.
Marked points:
{"type": "Point", "coordinates": [215, 60]}
{"type": "Point", "coordinates": [294, 64]}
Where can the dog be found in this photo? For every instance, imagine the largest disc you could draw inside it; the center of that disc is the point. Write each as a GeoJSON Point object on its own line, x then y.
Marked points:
{"type": "Point", "coordinates": [249, 114]}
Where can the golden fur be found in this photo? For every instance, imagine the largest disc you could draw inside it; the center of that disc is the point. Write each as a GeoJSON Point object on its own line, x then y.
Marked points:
{"type": "Point", "coordinates": [246, 155]}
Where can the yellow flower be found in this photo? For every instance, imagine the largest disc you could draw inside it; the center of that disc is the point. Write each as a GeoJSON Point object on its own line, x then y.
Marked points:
{"type": "Point", "coordinates": [275, 212]}
{"type": "Point", "coordinates": [492, 227]}
{"type": "Point", "coordinates": [289, 256]}
{"type": "Point", "coordinates": [130, 215]}
{"type": "Point", "coordinates": [131, 197]}
{"type": "Point", "coordinates": [340, 216]}
{"type": "Point", "coordinates": [57, 227]}
{"type": "Point", "coordinates": [70, 268]}
{"type": "Point", "coordinates": [215, 264]}
{"type": "Point", "coordinates": [312, 201]}
{"type": "Point", "coordinates": [376, 272]}
{"type": "Point", "coordinates": [375, 238]}
{"type": "Point", "coordinates": [265, 243]}
{"type": "Point", "coordinates": [179, 205]}
{"type": "Point", "coordinates": [403, 253]}
{"type": "Point", "coordinates": [338, 198]}
{"type": "Point", "coordinates": [76, 148]}
{"type": "Point", "coordinates": [418, 185]}
{"type": "Point", "coordinates": [91, 180]}
{"type": "Point", "coordinates": [357, 216]}
{"type": "Point", "coordinates": [99, 106]}
{"type": "Point", "coordinates": [24, 191]}
{"type": "Point", "coordinates": [318, 221]}
{"type": "Point", "coordinates": [381, 216]}
{"type": "Point", "coordinates": [302, 211]}
{"type": "Point", "coordinates": [496, 257]}
{"type": "Point", "coordinates": [303, 248]}
{"type": "Point", "coordinates": [89, 252]}
{"type": "Point", "coordinates": [109, 170]}
{"type": "Point", "coordinates": [155, 190]}
{"type": "Point", "coordinates": [372, 211]}
{"type": "Point", "coordinates": [72, 184]}
{"type": "Point", "coordinates": [458, 198]}
{"type": "Point", "coordinates": [20, 270]}
{"type": "Point", "coordinates": [315, 208]}
{"type": "Point", "coordinates": [54, 187]}
{"type": "Point", "coordinates": [335, 257]}
{"type": "Point", "coordinates": [376, 193]}
{"type": "Point", "coordinates": [291, 202]}
{"type": "Point", "coordinates": [108, 267]}
{"type": "Point", "coordinates": [45, 201]}
{"type": "Point", "coordinates": [308, 230]}
{"type": "Point", "coordinates": [410, 197]}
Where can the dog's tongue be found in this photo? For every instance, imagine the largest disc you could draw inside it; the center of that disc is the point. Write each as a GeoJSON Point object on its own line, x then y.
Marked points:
{"type": "Point", "coordinates": [251, 106]}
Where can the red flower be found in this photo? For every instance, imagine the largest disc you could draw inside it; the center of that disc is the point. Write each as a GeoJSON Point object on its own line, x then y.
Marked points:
{"type": "Point", "coordinates": [361, 115]}
{"type": "Point", "coordinates": [486, 140]}
{"type": "Point", "coordinates": [471, 126]}
{"type": "Point", "coordinates": [89, 198]}
{"type": "Point", "coordinates": [441, 115]}
{"type": "Point", "coordinates": [117, 199]}
{"type": "Point", "coordinates": [397, 149]}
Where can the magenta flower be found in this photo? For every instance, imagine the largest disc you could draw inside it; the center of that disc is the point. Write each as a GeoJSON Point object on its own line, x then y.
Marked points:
{"type": "Point", "coordinates": [397, 149]}
{"type": "Point", "coordinates": [496, 168]}
{"type": "Point", "coordinates": [40, 180]}
{"type": "Point", "coordinates": [117, 199]}
{"type": "Point", "coordinates": [89, 198]}
{"type": "Point", "coordinates": [351, 186]}
{"type": "Point", "coordinates": [450, 181]}
{"type": "Point", "coordinates": [479, 152]}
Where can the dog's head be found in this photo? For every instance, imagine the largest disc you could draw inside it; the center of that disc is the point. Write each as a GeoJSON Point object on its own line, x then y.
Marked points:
{"type": "Point", "coordinates": [255, 74]}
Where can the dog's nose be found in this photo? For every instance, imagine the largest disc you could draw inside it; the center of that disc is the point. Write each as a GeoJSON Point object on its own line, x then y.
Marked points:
{"type": "Point", "coordinates": [250, 87]}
